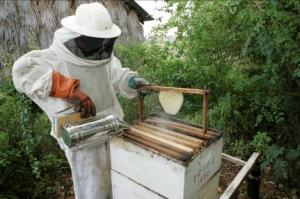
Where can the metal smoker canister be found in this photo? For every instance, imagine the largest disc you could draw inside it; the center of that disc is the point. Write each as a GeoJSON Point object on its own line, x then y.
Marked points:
{"type": "Point", "coordinates": [74, 132]}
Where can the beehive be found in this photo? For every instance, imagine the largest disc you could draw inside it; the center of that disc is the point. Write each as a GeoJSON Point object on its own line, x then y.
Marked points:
{"type": "Point", "coordinates": [163, 157]}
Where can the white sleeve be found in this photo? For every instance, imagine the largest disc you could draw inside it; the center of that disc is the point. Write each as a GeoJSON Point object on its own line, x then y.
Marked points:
{"type": "Point", "coordinates": [119, 77]}
{"type": "Point", "coordinates": [32, 78]}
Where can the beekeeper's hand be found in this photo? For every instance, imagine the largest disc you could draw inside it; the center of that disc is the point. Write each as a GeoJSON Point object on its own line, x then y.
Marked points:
{"type": "Point", "coordinates": [137, 82]}
{"type": "Point", "coordinates": [68, 88]}
{"type": "Point", "coordinates": [86, 106]}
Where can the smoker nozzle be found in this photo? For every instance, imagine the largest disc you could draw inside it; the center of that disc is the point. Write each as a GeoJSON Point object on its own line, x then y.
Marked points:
{"type": "Point", "coordinates": [104, 125]}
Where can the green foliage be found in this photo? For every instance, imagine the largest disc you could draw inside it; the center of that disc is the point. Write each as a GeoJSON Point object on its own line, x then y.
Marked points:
{"type": "Point", "coordinates": [284, 162]}
{"type": "Point", "coordinates": [260, 142]}
{"type": "Point", "coordinates": [31, 165]}
{"type": "Point", "coordinates": [247, 53]}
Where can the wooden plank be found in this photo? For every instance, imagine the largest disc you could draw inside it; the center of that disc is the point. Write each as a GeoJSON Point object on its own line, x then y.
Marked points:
{"type": "Point", "coordinates": [233, 159]}
{"type": "Point", "coordinates": [150, 140]}
{"type": "Point", "coordinates": [234, 185]}
{"type": "Point", "coordinates": [73, 117]}
{"type": "Point", "coordinates": [158, 140]}
{"type": "Point", "coordinates": [177, 90]}
{"type": "Point", "coordinates": [193, 131]}
{"type": "Point", "coordinates": [173, 133]}
{"type": "Point", "coordinates": [167, 136]}
{"type": "Point", "coordinates": [152, 146]}
{"type": "Point", "coordinates": [141, 107]}
{"type": "Point", "coordinates": [205, 112]}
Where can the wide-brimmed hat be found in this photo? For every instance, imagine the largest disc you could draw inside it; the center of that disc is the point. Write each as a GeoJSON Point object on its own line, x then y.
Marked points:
{"type": "Point", "coordinates": [93, 20]}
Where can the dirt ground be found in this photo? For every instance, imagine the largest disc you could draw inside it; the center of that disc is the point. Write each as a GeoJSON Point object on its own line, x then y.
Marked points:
{"type": "Point", "coordinates": [268, 189]}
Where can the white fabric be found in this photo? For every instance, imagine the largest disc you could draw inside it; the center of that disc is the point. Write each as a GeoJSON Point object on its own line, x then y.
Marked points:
{"type": "Point", "coordinates": [90, 166]}
{"type": "Point", "coordinates": [92, 19]}
{"type": "Point", "coordinates": [101, 80]}
{"type": "Point", "coordinates": [63, 34]}
{"type": "Point", "coordinates": [91, 172]}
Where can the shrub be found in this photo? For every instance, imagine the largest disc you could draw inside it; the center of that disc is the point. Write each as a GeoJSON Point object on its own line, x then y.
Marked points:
{"type": "Point", "coordinates": [247, 53]}
{"type": "Point", "coordinates": [31, 164]}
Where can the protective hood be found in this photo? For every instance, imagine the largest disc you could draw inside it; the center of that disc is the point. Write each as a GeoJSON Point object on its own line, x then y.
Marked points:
{"type": "Point", "coordinates": [89, 48]}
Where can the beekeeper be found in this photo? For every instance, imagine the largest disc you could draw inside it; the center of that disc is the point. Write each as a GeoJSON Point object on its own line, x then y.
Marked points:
{"type": "Point", "coordinates": [79, 68]}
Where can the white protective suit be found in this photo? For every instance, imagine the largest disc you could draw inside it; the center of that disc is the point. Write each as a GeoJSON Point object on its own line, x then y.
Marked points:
{"type": "Point", "coordinates": [100, 80]}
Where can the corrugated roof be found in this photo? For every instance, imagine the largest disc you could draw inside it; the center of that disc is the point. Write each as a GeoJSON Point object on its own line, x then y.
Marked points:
{"type": "Point", "coordinates": [142, 14]}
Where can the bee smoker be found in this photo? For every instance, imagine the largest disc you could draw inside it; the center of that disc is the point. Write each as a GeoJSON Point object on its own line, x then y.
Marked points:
{"type": "Point", "coordinates": [76, 132]}
{"type": "Point", "coordinates": [86, 143]}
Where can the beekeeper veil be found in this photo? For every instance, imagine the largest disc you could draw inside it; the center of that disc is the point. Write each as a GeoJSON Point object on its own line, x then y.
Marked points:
{"type": "Point", "coordinates": [86, 47]}
{"type": "Point", "coordinates": [97, 32]}
{"type": "Point", "coordinates": [91, 48]}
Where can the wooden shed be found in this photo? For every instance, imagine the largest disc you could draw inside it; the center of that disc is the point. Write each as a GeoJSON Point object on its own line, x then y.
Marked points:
{"type": "Point", "coordinates": [24, 23]}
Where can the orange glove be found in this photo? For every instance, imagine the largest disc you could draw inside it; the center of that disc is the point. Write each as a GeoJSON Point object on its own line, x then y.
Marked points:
{"type": "Point", "coordinates": [64, 87]}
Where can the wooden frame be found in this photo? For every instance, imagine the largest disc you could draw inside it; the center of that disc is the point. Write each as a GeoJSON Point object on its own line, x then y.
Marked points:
{"type": "Point", "coordinates": [240, 177]}
{"type": "Point", "coordinates": [202, 92]}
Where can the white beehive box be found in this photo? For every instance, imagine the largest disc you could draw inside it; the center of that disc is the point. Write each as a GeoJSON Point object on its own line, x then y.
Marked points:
{"type": "Point", "coordinates": [125, 188]}
{"type": "Point", "coordinates": [148, 163]}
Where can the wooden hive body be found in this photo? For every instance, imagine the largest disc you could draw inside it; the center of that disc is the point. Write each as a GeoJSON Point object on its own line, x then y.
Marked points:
{"type": "Point", "coordinates": [166, 158]}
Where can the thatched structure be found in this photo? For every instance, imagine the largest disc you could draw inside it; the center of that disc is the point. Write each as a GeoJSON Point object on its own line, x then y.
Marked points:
{"type": "Point", "coordinates": [27, 22]}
